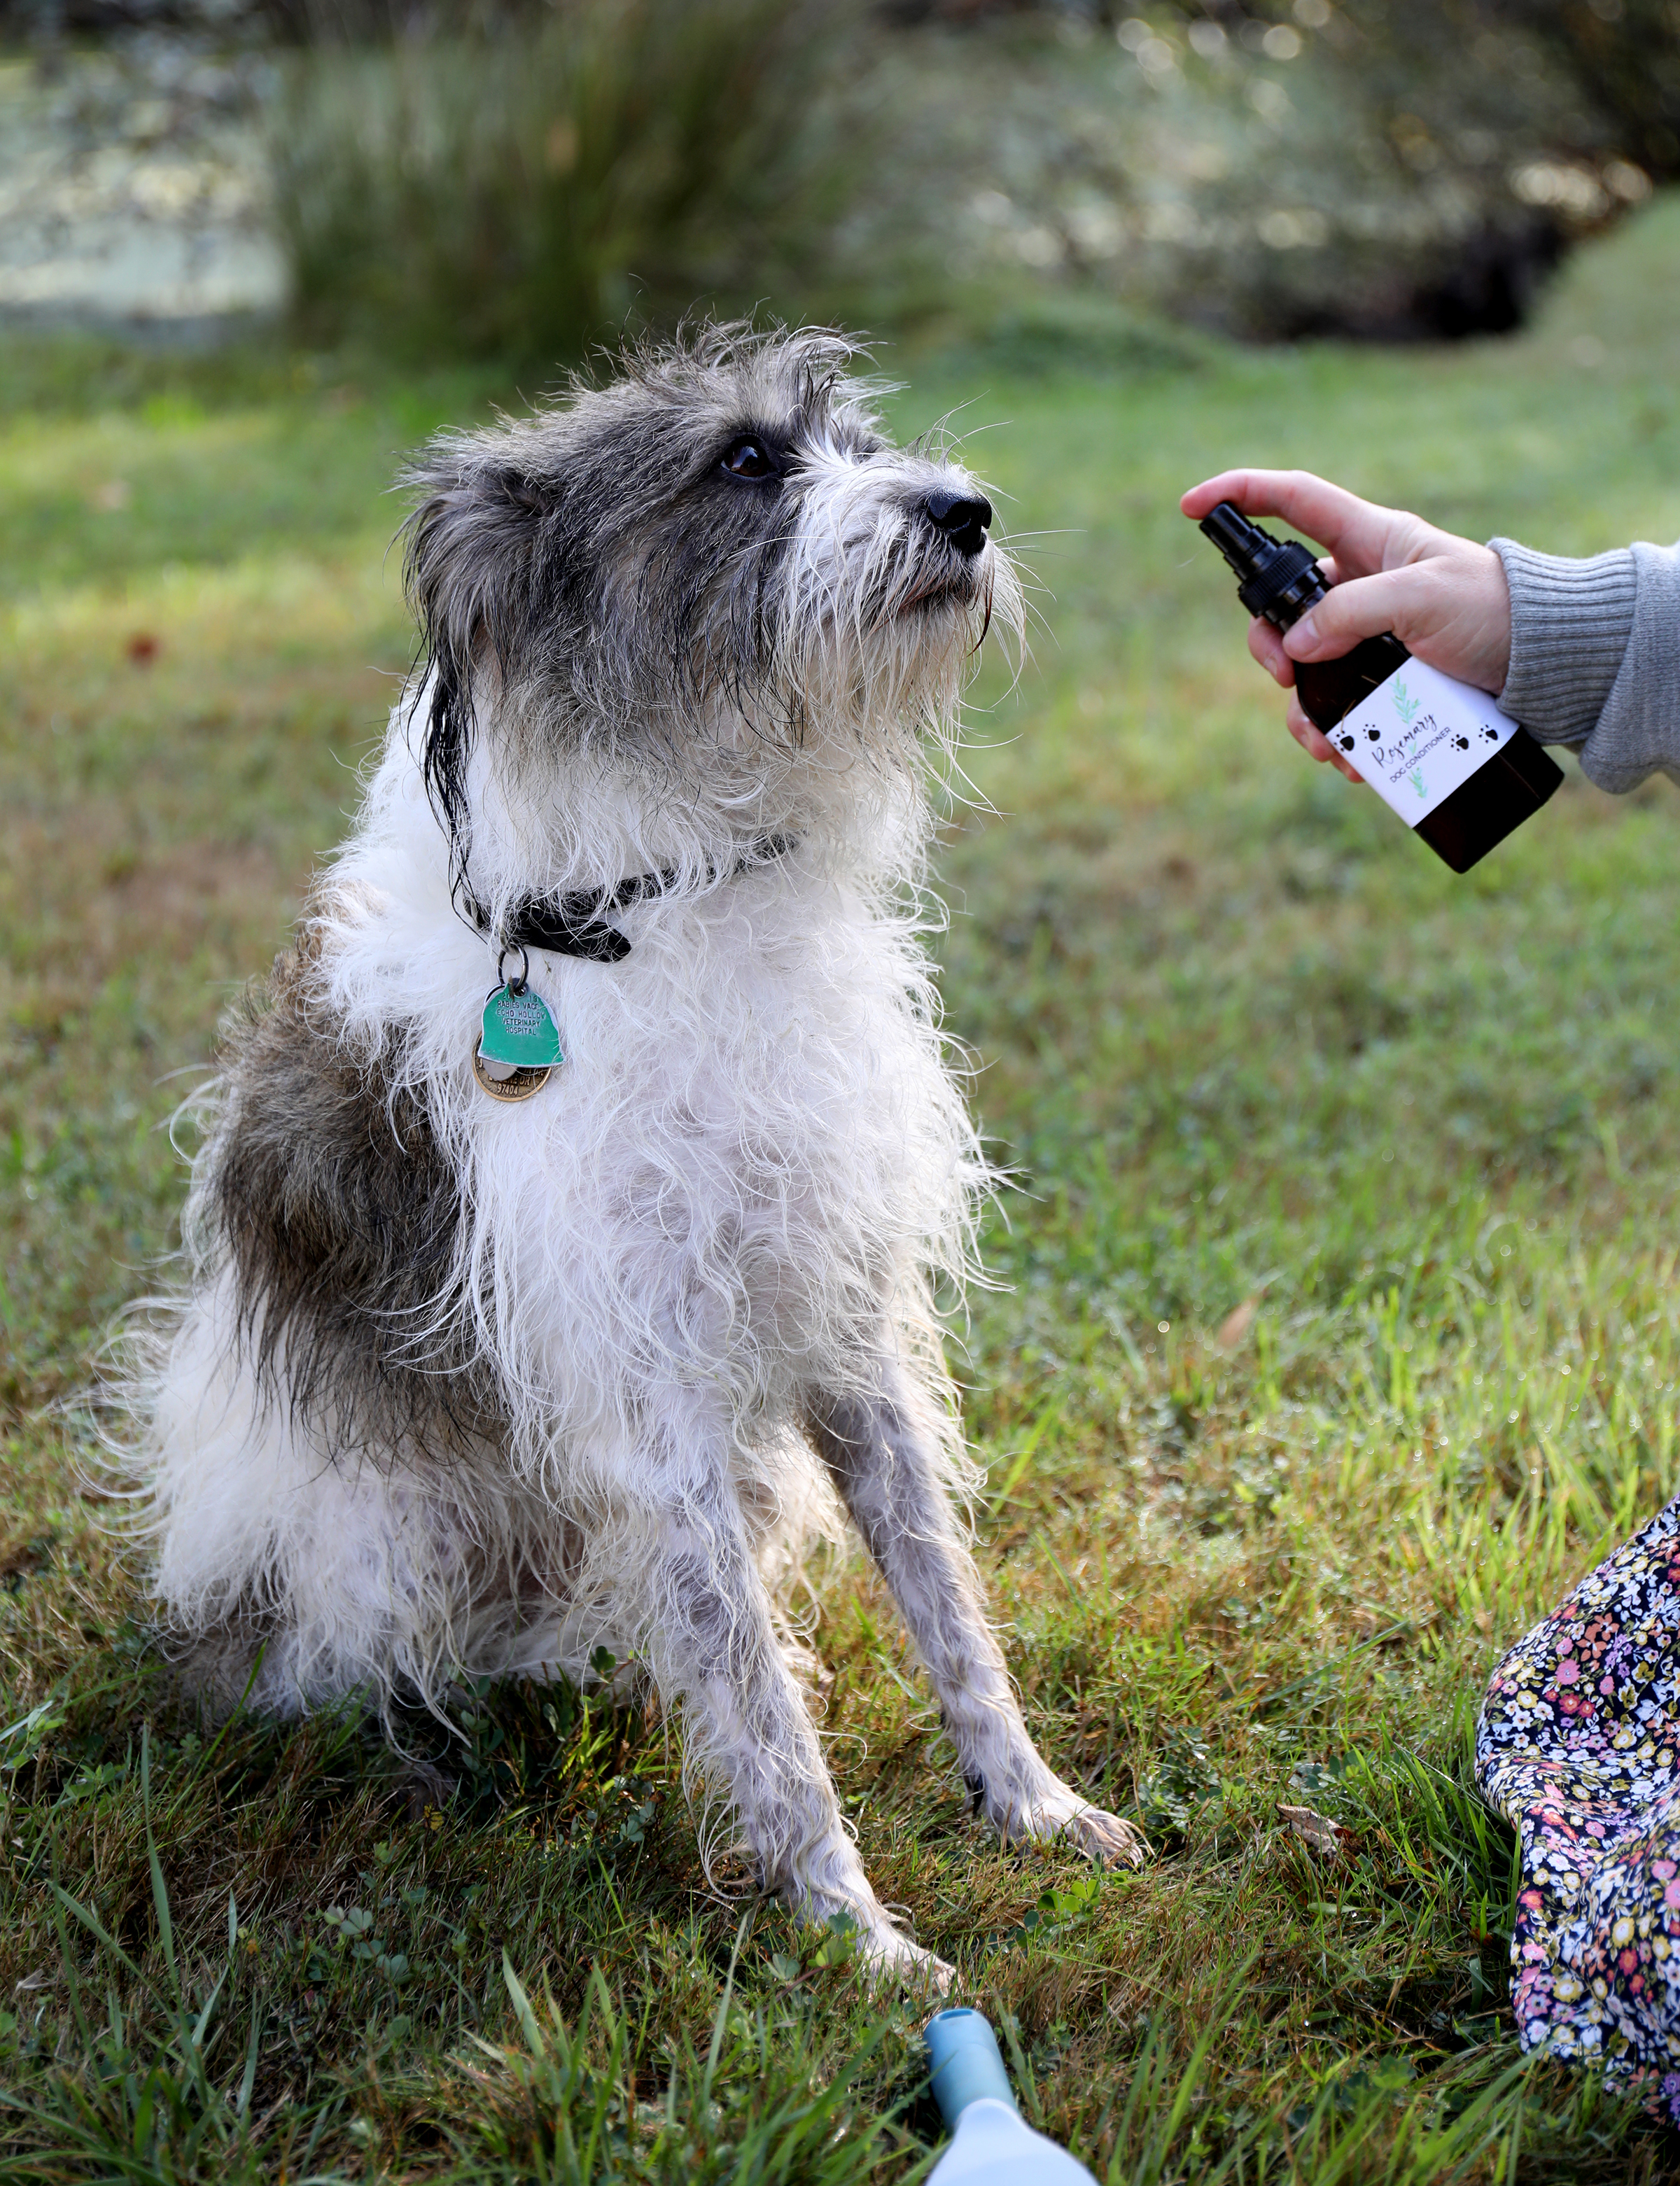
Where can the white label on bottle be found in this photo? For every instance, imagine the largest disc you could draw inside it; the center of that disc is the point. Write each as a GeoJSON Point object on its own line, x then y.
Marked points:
{"type": "Point", "coordinates": [1419, 735]}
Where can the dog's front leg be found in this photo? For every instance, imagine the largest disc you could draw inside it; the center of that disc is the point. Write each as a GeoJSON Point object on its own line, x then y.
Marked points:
{"type": "Point", "coordinates": [712, 1644]}
{"type": "Point", "coordinates": [882, 1456]}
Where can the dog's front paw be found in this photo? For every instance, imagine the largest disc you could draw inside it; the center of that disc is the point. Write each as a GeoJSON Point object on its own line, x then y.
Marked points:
{"type": "Point", "coordinates": [1062, 1817]}
{"type": "Point", "coordinates": [889, 1960]}
{"type": "Point", "coordinates": [1102, 1835]}
{"type": "Point", "coordinates": [863, 1933]}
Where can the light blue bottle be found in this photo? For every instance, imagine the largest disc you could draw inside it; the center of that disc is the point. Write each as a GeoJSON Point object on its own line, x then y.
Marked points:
{"type": "Point", "coordinates": [991, 2145]}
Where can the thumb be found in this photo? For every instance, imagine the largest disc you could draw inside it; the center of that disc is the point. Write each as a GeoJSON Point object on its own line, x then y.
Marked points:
{"type": "Point", "coordinates": [1362, 608]}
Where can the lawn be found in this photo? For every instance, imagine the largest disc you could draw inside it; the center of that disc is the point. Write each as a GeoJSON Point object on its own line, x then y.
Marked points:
{"type": "Point", "coordinates": [1334, 1332]}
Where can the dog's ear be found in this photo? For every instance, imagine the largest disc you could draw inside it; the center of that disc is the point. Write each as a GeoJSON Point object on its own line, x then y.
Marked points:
{"type": "Point", "coordinates": [476, 566]}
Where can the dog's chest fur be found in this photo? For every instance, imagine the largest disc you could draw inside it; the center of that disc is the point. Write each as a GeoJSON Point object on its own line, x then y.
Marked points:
{"type": "Point", "coordinates": [753, 1145]}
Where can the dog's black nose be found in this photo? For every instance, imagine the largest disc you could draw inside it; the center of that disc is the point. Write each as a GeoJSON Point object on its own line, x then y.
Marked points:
{"type": "Point", "coordinates": [962, 516]}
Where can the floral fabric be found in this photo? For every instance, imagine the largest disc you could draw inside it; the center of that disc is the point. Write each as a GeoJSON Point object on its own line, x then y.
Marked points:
{"type": "Point", "coordinates": [1578, 1747]}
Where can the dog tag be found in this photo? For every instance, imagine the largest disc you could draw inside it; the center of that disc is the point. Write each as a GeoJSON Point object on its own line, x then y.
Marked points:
{"type": "Point", "coordinates": [518, 1033]}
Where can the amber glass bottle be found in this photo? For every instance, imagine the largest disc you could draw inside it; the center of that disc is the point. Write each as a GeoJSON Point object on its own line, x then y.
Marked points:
{"type": "Point", "coordinates": [1460, 773]}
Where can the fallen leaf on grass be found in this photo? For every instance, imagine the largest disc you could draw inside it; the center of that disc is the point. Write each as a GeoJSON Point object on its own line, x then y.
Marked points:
{"type": "Point", "coordinates": [1316, 1829]}
{"type": "Point", "coordinates": [1236, 1325]}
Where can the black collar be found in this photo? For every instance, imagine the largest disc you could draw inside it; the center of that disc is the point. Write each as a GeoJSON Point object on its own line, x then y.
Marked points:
{"type": "Point", "coordinates": [574, 925]}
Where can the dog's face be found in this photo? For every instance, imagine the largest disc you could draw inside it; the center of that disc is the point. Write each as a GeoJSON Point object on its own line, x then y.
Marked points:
{"type": "Point", "coordinates": [719, 550]}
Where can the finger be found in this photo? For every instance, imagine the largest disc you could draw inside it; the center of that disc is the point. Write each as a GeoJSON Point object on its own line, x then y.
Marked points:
{"type": "Point", "coordinates": [1266, 640]}
{"type": "Point", "coordinates": [1357, 530]}
{"type": "Point", "coordinates": [1306, 733]}
{"type": "Point", "coordinates": [1361, 607]}
{"type": "Point", "coordinates": [1266, 644]}
{"type": "Point", "coordinates": [1312, 739]}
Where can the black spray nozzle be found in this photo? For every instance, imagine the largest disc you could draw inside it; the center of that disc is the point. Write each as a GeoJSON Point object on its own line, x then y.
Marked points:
{"type": "Point", "coordinates": [1278, 578]}
{"type": "Point", "coordinates": [1244, 545]}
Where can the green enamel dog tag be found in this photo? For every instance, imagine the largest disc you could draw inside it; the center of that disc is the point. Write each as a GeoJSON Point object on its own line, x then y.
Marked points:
{"type": "Point", "coordinates": [518, 1032]}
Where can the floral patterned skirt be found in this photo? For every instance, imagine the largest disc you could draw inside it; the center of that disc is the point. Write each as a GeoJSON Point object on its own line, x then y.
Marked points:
{"type": "Point", "coordinates": [1578, 1746]}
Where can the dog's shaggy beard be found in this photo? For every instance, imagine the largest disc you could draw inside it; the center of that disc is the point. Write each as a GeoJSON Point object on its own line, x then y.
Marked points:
{"type": "Point", "coordinates": [880, 620]}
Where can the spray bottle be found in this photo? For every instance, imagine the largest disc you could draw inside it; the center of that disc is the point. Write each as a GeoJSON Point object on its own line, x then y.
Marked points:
{"type": "Point", "coordinates": [991, 2145]}
{"type": "Point", "coordinates": [1460, 773]}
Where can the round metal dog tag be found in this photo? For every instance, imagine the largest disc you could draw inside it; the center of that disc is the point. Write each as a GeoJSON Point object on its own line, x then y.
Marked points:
{"type": "Point", "coordinates": [518, 1086]}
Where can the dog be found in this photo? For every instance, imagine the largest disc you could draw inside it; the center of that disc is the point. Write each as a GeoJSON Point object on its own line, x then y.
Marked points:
{"type": "Point", "coordinates": [482, 1363]}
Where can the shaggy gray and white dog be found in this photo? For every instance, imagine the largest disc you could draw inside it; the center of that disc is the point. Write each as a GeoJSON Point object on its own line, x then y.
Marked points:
{"type": "Point", "coordinates": [467, 1383]}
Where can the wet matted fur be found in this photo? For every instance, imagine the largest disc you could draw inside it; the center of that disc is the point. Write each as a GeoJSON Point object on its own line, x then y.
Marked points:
{"type": "Point", "coordinates": [460, 1386]}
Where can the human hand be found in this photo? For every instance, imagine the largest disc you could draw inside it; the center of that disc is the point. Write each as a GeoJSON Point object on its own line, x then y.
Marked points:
{"type": "Point", "coordinates": [1445, 598]}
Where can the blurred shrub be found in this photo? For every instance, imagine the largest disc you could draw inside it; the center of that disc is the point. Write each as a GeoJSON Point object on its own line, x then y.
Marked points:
{"type": "Point", "coordinates": [1400, 171]}
{"type": "Point", "coordinates": [376, 22]}
{"type": "Point", "coordinates": [504, 187]}
{"type": "Point", "coordinates": [1284, 168]}
{"type": "Point", "coordinates": [1625, 56]}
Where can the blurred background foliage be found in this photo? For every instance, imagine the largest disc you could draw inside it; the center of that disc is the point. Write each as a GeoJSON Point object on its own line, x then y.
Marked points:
{"type": "Point", "coordinates": [515, 177]}
{"type": "Point", "coordinates": [495, 187]}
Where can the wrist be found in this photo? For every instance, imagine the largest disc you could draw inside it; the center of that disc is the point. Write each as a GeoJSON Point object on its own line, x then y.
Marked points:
{"type": "Point", "coordinates": [1570, 622]}
{"type": "Point", "coordinates": [1487, 635]}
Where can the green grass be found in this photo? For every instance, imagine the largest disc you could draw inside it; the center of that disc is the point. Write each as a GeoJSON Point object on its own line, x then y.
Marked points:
{"type": "Point", "coordinates": [1336, 1333]}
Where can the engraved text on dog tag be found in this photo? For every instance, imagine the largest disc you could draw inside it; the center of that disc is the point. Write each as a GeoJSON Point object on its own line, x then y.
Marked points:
{"type": "Point", "coordinates": [519, 1044]}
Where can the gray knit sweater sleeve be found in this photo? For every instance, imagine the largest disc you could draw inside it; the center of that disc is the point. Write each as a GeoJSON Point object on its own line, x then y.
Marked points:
{"type": "Point", "coordinates": [1595, 657]}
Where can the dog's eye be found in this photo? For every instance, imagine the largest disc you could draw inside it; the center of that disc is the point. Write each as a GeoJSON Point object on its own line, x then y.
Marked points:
{"type": "Point", "coordinates": [747, 458]}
